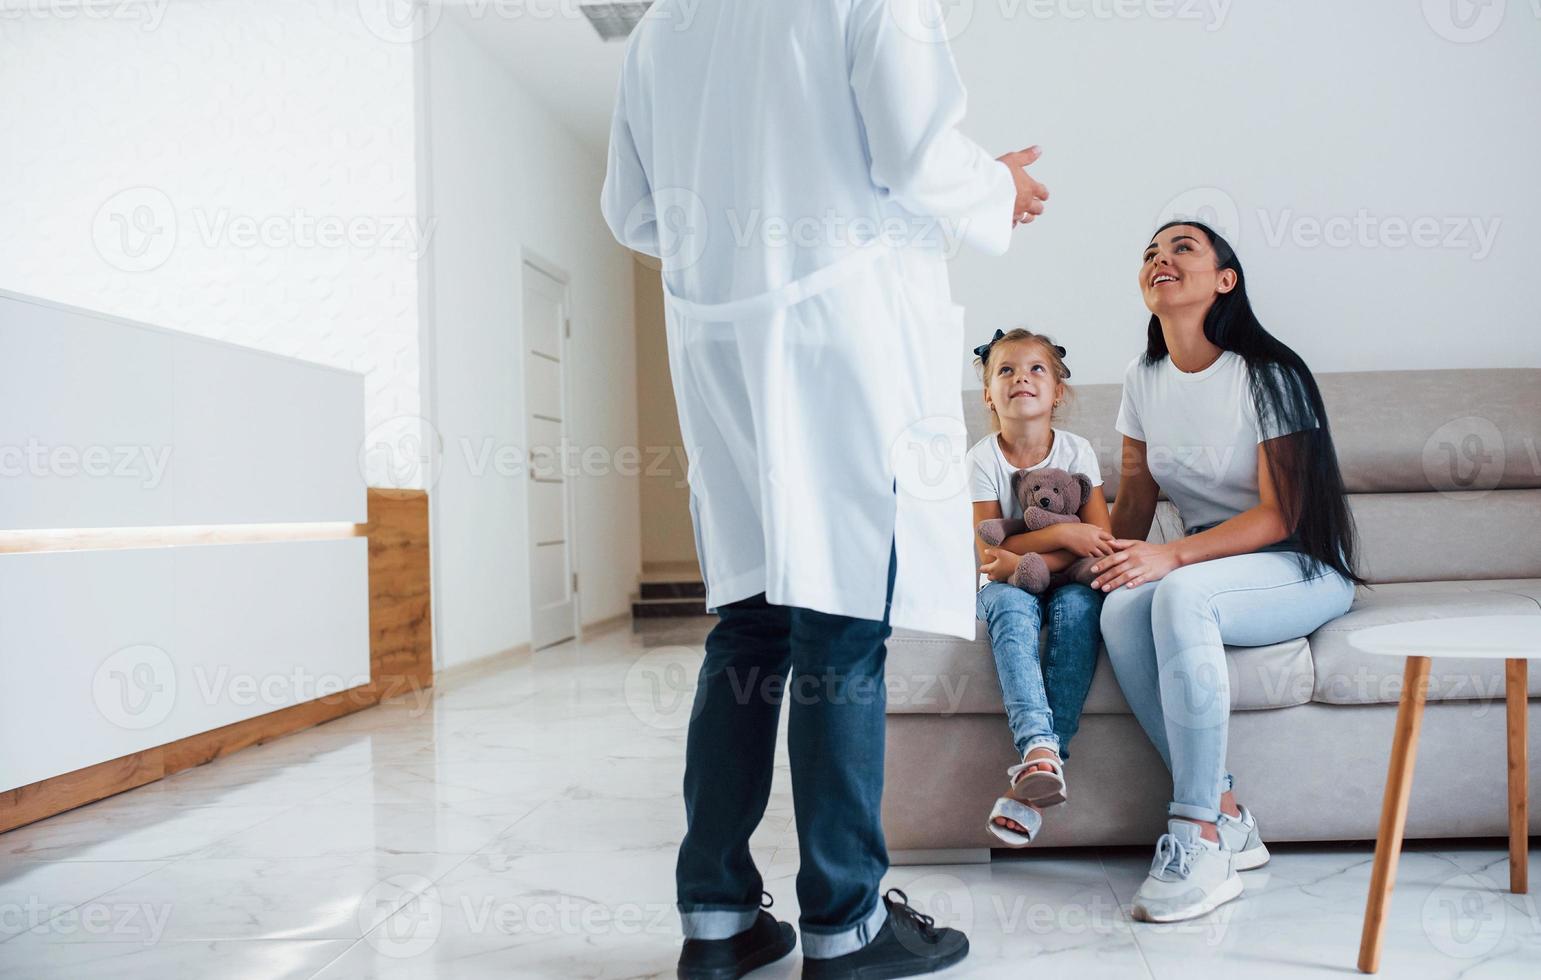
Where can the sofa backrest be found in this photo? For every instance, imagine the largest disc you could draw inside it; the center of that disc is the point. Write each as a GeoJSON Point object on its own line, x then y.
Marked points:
{"type": "Point", "coordinates": [1443, 468]}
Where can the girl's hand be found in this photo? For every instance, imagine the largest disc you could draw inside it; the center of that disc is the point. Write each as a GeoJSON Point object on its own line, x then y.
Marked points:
{"type": "Point", "coordinates": [999, 564]}
{"type": "Point", "coordinates": [1086, 540]}
{"type": "Point", "coordinates": [1136, 563]}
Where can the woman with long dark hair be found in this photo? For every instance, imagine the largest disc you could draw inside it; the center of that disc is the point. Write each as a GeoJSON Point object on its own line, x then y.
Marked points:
{"type": "Point", "coordinates": [1227, 420]}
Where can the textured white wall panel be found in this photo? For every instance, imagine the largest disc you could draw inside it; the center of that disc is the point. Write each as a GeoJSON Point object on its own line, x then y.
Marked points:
{"type": "Point", "coordinates": [240, 169]}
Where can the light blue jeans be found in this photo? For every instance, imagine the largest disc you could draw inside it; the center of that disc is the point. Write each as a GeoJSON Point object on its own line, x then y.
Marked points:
{"type": "Point", "coordinates": [1043, 692]}
{"type": "Point", "coordinates": [1166, 640]}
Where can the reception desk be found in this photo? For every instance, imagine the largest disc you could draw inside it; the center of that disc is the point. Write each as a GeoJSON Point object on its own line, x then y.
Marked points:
{"type": "Point", "coordinates": [190, 560]}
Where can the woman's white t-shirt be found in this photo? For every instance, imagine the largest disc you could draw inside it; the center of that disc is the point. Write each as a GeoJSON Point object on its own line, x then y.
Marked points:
{"type": "Point", "coordinates": [1201, 434]}
{"type": "Point", "coordinates": [989, 473]}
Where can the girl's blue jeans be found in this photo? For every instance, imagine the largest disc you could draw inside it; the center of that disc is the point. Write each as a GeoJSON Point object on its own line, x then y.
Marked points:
{"type": "Point", "coordinates": [1043, 689]}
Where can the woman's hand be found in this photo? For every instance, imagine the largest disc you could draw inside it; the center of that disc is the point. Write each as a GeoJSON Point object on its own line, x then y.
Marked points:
{"type": "Point", "coordinates": [1086, 540]}
{"type": "Point", "coordinates": [1136, 563]}
{"type": "Point", "coordinates": [999, 564]}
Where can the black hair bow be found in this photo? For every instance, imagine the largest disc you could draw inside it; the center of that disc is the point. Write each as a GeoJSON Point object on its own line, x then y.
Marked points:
{"type": "Point", "coordinates": [983, 350]}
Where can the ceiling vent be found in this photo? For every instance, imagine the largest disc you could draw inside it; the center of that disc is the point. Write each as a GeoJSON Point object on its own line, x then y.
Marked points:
{"type": "Point", "coordinates": [614, 21]}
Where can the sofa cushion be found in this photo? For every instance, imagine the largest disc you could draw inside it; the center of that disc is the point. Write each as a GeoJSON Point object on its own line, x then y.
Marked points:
{"type": "Point", "coordinates": [942, 675]}
{"type": "Point", "coordinates": [1344, 675]}
{"type": "Point", "coordinates": [1466, 536]}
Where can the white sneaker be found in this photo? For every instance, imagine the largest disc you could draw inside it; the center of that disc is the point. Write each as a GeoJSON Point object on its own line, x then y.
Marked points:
{"type": "Point", "coordinates": [1188, 877]}
{"type": "Point", "coordinates": [1239, 836]}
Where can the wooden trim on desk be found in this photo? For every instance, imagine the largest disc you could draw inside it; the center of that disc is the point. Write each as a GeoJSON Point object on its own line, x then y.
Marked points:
{"type": "Point", "coordinates": [99, 539]}
{"type": "Point", "coordinates": [400, 659]}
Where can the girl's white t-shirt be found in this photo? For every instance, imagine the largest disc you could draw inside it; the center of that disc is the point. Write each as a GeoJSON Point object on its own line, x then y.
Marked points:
{"type": "Point", "coordinates": [1201, 434]}
{"type": "Point", "coordinates": [989, 473]}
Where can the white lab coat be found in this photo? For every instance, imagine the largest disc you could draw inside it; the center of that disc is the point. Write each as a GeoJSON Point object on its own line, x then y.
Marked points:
{"type": "Point", "coordinates": [790, 161]}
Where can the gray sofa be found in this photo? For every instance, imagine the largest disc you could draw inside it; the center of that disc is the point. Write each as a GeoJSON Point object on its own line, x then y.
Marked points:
{"type": "Point", "coordinates": [1444, 474]}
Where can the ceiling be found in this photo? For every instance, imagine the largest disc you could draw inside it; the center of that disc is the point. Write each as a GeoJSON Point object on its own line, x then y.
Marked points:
{"type": "Point", "coordinates": [551, 48]}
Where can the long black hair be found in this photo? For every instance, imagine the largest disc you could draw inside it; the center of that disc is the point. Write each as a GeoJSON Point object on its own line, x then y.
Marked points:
{"type": "Point", "coordinates": [1304, 466]}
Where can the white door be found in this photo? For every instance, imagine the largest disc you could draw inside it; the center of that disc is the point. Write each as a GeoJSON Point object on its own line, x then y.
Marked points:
{"type": "Point", "coordinates": [552, 580]}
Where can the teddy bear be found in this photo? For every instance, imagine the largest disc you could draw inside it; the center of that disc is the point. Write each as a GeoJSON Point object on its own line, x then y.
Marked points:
{"type": "Point", "coordinates": [1047, 496]}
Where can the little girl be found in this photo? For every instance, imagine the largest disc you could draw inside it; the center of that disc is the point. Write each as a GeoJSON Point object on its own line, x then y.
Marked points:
{"type": "Point", "coordinates": [1024, 382]}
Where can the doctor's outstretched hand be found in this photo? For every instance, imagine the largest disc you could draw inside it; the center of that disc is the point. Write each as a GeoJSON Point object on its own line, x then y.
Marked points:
{"type": "Point", "coordinates": [1030, 193]}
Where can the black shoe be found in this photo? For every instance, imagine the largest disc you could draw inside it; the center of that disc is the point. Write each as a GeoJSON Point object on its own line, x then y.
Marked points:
{"type": "Point", "coordinates": [909, 943]}
{"type": "Point", "coordinates": [767, 941]}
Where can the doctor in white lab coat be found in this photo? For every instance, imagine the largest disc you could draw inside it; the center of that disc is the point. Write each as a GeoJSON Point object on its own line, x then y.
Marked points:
{"type": "Point", "coordinates": [797, 168]}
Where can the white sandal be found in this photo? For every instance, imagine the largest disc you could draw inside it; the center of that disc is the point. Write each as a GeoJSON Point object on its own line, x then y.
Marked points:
{"type": "Point", "coordinates": [1019, 813]}
{"type": "Point", "coordinates": [1041, 787]}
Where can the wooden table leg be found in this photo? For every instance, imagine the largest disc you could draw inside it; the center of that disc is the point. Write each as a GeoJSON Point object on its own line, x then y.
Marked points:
{"type": "Point", "coordinates": [1516, 685]}
{"type": "Point", "coordinates": [1393, 813]}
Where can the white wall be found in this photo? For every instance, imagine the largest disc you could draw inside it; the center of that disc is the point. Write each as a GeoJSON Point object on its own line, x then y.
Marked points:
{"type": "Point", "coordinates": [241, 169]}
{"type": "Point", "coordinates": [1295, 114]}
{"type": "Point", "coordinates": [505, 176]}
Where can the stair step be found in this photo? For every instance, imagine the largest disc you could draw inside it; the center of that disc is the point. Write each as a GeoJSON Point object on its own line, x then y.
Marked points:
{"type": "Point", "coordinates": [660, 608]}
{"type": "Point", "coordinates": [673, 590]}
{"type": "Point", "coordinates": [671, 571]}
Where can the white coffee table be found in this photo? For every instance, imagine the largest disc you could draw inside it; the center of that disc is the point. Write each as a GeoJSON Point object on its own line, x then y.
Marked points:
{"type": "Point", "coordinates": [1512, 639]}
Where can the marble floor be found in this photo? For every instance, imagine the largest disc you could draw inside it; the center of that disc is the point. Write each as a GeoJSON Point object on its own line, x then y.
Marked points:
{"type": "Point", "coordinates": [520, 820]}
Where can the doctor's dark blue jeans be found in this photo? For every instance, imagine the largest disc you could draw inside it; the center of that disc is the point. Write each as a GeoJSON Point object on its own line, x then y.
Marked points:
{"type": "Point", "coordinates": [1043, 689]}
{"type": "Point", "coordinates": [831, 669]}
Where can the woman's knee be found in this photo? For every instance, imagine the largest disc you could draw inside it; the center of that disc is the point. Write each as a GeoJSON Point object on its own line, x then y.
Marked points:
{"type": "Point", "coordinates": [1121, 607]}
{"type": "Point", "coordinates": [1182, 593]}
{"type": "Point", "coordinates": [1124, 620]}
